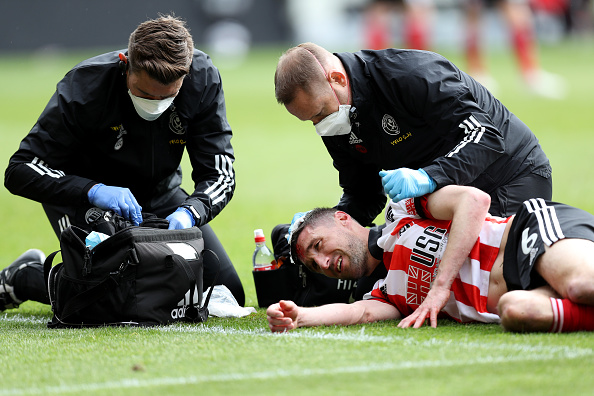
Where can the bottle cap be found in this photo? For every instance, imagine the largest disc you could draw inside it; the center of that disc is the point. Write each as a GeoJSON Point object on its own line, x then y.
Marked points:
{"type": "Point", "coordinates": [259, 235]}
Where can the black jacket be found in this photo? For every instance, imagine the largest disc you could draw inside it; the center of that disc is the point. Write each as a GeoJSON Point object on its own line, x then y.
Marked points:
{"type": "Point", "coordinates": [90, 133]}
{"type": "Point", "coordinates": [416, 109]}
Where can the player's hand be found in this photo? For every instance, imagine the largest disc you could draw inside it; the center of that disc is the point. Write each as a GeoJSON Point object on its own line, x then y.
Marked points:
{"type": "Point", "coordinates": [120, 200]}
{"type": "Point", "coordinates": [180, 219]}
{"type": "Point", "coordinates": [435, 300]}
{"type": "Point", "coordinates": [282, 316]}
{"type": "Point", "coordinates": [405, 183]}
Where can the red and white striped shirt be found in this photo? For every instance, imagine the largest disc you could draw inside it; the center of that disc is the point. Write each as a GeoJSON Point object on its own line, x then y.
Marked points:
{"type": "Point", "coordinates": [413, 246]}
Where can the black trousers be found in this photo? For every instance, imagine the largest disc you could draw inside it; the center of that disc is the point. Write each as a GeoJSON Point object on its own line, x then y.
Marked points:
{"type": "Point", "coordinates": [61, 217]}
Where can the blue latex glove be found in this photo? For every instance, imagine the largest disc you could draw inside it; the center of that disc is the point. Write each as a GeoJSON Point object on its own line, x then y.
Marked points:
{"type": "Point", "coordinates": [180, 219]}
{"type": "Point", "coordinates": [405, 183]}
{"type": "Point", "coordinates": [120, 200]}
{"type": "Point", "coordinates": [295, 222]}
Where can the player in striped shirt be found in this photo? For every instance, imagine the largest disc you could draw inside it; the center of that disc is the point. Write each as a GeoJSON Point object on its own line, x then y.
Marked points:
{"type": "Point", "coordinates": [445, 258]}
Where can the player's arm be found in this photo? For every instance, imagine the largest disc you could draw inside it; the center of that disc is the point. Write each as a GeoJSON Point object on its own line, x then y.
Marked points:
{"type": "Point", "coordinates": [286, 315]}
{"type": "Point", "coordinates": [208, 144]}
{"type": "Point", "coordinates": [467, 208]}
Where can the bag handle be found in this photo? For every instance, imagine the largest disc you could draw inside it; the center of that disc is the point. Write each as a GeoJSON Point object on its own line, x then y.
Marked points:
{"type": "Point", "coordinates": [214, 281]}
{"type": "Point", "coordinates": [47, 265]}
{"type": "Point", "coordinates": [192, 313]}
{"type": "Point", "coordinates": [197, 313]}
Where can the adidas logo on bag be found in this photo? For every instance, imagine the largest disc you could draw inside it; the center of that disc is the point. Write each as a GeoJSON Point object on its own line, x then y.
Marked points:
{"type": "Point", "coordinates": [183, 304]}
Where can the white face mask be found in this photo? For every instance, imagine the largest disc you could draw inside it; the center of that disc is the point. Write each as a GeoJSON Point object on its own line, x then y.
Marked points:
{"type": "Point", "coordinates": [150, 109]}
{"type": "Point", "coordinates": [337, 123]}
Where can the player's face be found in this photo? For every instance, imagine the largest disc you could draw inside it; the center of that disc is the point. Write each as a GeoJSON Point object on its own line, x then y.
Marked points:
{"type": "Point", "coordinates": [333, 251]}
{"type": "Point", "coordinates": [142, 85]}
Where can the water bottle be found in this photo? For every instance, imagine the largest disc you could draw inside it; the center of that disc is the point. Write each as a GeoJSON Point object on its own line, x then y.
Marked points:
{"type": "Point", "coordinates": [263, 259]}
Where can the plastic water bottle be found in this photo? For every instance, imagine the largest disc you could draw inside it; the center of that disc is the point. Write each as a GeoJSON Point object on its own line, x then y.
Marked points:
{"type": "Point", "coordinates": [263, 259]}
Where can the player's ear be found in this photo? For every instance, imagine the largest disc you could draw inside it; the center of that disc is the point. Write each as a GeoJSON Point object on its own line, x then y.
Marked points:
{"type": "Point", "coordinates": [341, 216]}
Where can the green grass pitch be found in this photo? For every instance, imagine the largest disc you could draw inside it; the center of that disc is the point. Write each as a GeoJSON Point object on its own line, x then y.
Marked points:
{"type": "Point", "coordinates": [282, 167]}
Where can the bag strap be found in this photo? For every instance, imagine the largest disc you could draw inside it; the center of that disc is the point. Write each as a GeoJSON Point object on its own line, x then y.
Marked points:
{"type": "Point", "coordinates": [47, 265]}
{"type": "Point", "coordinates": [216, 277]}
{"type": "Point", "coordinates": [196, 313]}
{"type": "Point", "coordinates": [192, 312]}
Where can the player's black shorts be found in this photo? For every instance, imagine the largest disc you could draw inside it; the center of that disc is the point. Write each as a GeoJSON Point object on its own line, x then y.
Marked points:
{"type": "Point", "coordinates": [539, 223]}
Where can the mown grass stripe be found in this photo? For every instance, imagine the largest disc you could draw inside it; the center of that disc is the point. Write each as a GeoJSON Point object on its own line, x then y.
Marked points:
{"type": "Point", "coordinates": [276, 374]}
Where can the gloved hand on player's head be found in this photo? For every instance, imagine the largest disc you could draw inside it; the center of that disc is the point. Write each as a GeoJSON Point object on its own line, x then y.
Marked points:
{"type": "Point", "coordinates": [405, 183]}
{"type": "Point", "coordinates": [180, 219]}
{"type": "Point", "coordinates": [119, 199]}
{"type": "Point", "coordinates": [295, 222]}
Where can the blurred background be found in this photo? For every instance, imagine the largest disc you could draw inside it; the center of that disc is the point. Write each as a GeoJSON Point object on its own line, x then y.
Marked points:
{"type": "Point", "coordinates": [281, 164]}
{"type": "Point", "coordinates": [233, 26]}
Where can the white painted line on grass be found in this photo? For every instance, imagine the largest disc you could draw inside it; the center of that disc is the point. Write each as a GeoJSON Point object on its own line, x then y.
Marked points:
{"type": "Point", "coordinates": [361, 336]}
{"type": "Point", "coordinates": [515, 352]}
{"type": "Point", "coordinates": [274, 374]}
{"type": "Point", "coordinates": [23, 319]}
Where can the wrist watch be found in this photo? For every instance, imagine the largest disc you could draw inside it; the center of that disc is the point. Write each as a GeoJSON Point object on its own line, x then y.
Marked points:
{"type": "Point", "coordinates": [194, 213]}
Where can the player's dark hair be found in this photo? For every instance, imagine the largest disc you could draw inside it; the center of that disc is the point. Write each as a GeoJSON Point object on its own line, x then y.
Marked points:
{"type": "Point", "coordinates": [162, 47]}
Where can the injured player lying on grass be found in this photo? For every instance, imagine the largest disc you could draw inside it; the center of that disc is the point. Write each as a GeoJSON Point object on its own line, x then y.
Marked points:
{"type": "Point", "coordinates": [447, 257]}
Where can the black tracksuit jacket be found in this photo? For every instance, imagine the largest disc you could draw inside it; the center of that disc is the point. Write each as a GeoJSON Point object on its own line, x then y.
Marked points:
{"type": "Point", "coordinates": [90, 133]}
{"type": "Point", "coordinates": [416, 109]}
